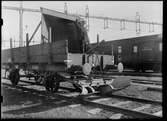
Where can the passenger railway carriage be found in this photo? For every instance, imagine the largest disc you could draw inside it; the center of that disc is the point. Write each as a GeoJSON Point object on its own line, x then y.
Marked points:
{"type": "Point", "coordinates": [139, 53]}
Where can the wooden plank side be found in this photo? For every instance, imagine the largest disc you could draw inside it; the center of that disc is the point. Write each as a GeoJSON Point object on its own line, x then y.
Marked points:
{"type": "Point", "coordinates": [5, 55]}
{"type": "Point", "coordinates": [59, 47]}
{"type": "Point", "coordinates": [35, 50]}
{"type": "Point", "coordinates": [44, 58]}
{"type": "Point", "coordinates": [20, 59]}
{"type": "Point", "coordinates": [39, 59]}
{"type": "Point", "coordinates": [38, 53]}
{"type": "Point", "coordinates": [19, 55]}
{"type": "Point", "coordinates": [19, 51]}
{"type": "Point", "coordinates": [44, 49]}
{"type": "Point", "coordinates": [59, 58]}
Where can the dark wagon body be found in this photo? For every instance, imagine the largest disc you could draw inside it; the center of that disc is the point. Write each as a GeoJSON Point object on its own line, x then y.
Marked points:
{"type": "Point", "coordinates": [139, 53]}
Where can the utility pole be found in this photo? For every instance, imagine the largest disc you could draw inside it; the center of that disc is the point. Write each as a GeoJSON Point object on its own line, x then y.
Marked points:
{"type": "Point", "coordinates": [138, 30]}
{"type": "Point", "coordinates": [87, 16]}
{"type": "Point", "coordinates": [21, 25]}
{"type": "Point", "coordinates": [65, 8]}
{"type": "Point", "coordinates": [20, 10]}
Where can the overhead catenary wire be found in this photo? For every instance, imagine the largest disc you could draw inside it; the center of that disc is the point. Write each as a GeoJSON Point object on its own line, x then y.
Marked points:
{"type": "Point", "coordinates": [87, 16]}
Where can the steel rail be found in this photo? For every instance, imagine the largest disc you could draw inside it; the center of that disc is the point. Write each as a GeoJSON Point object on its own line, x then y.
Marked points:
{"type": "Point", "coordinates": [140, 100]}
{"type": "Point", "coordinates": [137, 99]}
{"type": "Point", "coordinates": [108, 95]}
{"type": "Point", "coordinates": [152, 83]}
{"type": "Point", "coordinates": [124, 111]}
{"type": "Point", "coordinates": [130, 112]}
{"type": "Point", "coordinates": [146, 81]}
{"type": "Point", "coordinates": [134, 74]}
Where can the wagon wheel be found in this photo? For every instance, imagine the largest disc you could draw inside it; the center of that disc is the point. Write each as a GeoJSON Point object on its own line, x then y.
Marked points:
{"type": "Point", "coordinates": [105, 89]}
{"type": "Point", "coordinates": [38, 79]}
{"type": "Point", "coordinates": [77, 88]}
{"type": "Point", "coordinates": [14, 77]}
{"type": "Point", "coordinates": [50, 83]}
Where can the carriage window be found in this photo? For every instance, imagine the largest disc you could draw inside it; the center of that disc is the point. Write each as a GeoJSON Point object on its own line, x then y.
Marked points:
{"type": "Point", "coordinates": [160, 46]}
{"type": "Point", "coordinates": [135, 49]}
{"type": "Point", "coordinates": [119, 49]}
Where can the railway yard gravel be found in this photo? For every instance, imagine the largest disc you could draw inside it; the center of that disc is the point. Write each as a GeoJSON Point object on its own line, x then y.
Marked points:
{"type": "Point", "coordinates": [140, 92]}
{"type": "Point", "coordinates": [20, 104]}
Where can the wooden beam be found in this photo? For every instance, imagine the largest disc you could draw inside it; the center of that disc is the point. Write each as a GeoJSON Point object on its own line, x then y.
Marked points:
{"type": "Point", "coordinates": [17, 9]}
{"type": "Point", "coordinates": [57, 14]}
{"type": "Point", "coordinates": [11, 51]}
{"type": "Point", "coordinates": [27, 50]}
{"type": "Point", "coordinates": [34, 32]}
{"type": "Point", "coordinates": [11, 8]}
{"type": "Point", "coordinates": [50, 46]}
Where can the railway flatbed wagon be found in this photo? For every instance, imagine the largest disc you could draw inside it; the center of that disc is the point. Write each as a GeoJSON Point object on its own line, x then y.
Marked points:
{"type": "Point", "coordinates": [62, 55]}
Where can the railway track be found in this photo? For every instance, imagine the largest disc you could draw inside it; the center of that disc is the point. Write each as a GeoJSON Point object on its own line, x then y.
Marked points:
{"type": "Point", "coordinates": [151, 85]}
{"type": "Point", "coordinates": [135, 81]}
{"type": "Point", "coordinates": [126, 73]}
{"type": "Point", "coordinates": [118, 104]}
{"type": "Point", "coordinates": [142, 81]}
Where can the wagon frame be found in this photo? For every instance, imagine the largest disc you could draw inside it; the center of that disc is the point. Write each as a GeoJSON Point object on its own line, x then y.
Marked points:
{"type": "Point", "coordinates": [60, 57]}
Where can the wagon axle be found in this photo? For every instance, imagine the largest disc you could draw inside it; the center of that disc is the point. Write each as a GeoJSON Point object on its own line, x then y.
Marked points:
{"type": "Point", "coordinates": [14, 76]}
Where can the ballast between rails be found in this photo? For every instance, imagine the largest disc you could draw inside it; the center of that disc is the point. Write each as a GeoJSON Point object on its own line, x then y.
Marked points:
{"type": "Point", "coordinates": [87, 102]}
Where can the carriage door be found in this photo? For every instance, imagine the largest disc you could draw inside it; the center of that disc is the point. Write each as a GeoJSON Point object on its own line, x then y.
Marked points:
{"type": "Point", "coordinates": [119, 54]}
{"type": "Point", "coordinates": [147, 54]}
{"type": "Point", "coordinates": [135, 56]}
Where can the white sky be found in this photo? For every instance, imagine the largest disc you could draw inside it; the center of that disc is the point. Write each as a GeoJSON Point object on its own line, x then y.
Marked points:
{"type": "Point", "coordinates": [148, 10]}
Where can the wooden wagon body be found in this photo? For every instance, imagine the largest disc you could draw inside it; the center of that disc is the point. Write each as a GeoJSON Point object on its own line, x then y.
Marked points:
{"type": "Point", "coordinates": [62, 45]}
{"type": "Point", "coordinates": [57, 60]}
